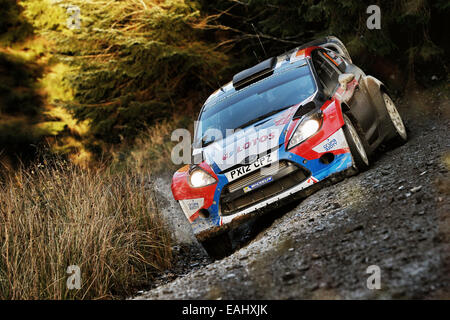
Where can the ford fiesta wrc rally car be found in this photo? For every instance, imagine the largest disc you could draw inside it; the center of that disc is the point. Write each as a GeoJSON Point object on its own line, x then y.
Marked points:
{"type": "Point", "coordinates": [277, 129]}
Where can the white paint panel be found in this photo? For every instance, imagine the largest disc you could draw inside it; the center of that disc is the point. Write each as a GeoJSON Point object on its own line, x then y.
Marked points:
{"type": "Point", "coordinates": [191, 206]}
{"type": "Point", "coordinates": [335, 142]}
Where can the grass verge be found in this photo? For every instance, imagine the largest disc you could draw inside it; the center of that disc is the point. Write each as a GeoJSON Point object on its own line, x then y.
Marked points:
{"type": "Point", "coordinates": [54, 215]}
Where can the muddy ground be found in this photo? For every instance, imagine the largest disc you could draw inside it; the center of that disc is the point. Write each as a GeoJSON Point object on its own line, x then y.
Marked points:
{"type": "Point", "coordinates": [396, 215]}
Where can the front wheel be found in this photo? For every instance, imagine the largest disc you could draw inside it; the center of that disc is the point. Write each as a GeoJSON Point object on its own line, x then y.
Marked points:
{"type": "Point", "coordinates": [357, 143]}
{"type": "Point", "coordinates": [399, 127]}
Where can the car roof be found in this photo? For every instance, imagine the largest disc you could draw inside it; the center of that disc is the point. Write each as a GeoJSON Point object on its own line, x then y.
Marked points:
{"type": "Point", "coordinates": [288, 60]}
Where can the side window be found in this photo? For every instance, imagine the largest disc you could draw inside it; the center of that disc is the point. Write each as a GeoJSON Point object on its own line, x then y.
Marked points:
{"type": "Point", "coordinates": [328, 73]}
{"type": "Point", "coordinates": [337, 59]}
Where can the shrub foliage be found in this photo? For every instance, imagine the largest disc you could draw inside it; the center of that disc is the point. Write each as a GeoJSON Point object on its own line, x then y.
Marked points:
{"type": "Point", "coordinates": [135, 63]}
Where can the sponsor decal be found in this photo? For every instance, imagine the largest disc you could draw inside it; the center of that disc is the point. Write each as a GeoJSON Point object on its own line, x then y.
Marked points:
{"type": "Point", "coordinates": [335, 142]}
{"type": "Point", "coordinates": [311, 180]}
{"type": "Point", "coordinates": [191, 206]}
{"type": "Point", "coordinates": [248, 144]}
{"type": "Point", "coordinates": [240, 145]}
{"type": "Point", "coordinates": [257, 184]}
{"type": "Point", "coordinates": [330, 144]}
{"type": "Point", "coordinates": [285, 117]}
{"type": "Point", "coordinates": [261, 162]}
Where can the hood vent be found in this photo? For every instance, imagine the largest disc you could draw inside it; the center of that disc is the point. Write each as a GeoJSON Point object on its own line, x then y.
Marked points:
{"type": "Point", "coordinates": [253, 74]}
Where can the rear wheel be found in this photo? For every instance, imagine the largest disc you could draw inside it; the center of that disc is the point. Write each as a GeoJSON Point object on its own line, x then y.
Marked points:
{"type": "Point", "coordinates": [400, 130]}
{"type": "Point", "coordinates": [358, 145]}
{"type": "Point", "coordinates": [219, 246]}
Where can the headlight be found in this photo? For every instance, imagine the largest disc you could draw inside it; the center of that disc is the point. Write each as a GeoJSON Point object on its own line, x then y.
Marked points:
{"type": "Point", "coordinates": [200, 178]}
{"type": "Point", "coordinates": [305, 129]}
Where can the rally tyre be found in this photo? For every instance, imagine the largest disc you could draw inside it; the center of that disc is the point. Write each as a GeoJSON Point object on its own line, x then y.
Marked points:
{"type": "Point", "coordinates": [357, 143]}
{"type": "Point", "coordinates": [400, 136]}
{"type": "Point", "coordinates": [218, 247]}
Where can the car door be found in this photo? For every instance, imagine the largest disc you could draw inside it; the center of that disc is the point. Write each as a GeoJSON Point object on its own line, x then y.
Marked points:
{"type": "Point", "coordinates": [356, 97]}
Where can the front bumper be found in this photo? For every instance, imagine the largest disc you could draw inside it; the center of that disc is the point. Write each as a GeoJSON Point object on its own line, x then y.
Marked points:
{"type": "Point", "coordinates": [326, 153]}
{"type": "Point", "coordinates": [313, 171]}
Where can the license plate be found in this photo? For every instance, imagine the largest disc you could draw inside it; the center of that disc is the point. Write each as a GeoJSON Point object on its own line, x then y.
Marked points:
{"type": "Point", "coordinates": [242, 171]}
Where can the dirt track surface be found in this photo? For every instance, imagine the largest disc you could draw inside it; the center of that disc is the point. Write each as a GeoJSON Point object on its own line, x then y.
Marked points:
{"type": "Point", "coordinates": [396, 215]}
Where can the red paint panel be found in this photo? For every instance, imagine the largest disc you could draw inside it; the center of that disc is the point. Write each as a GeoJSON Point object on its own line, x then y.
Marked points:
{"type": "Point", "coordinates": [181, 188]}
{"type": "Point", "coordinates": [193, 217]}
{"type": "Point", "coordinates": [332, 121]}
{"type": "Point", "coordinates": [309, 50]}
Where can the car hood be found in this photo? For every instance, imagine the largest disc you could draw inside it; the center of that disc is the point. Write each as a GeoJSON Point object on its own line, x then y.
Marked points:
{"type": "Point", "coordinates": [244, 146]}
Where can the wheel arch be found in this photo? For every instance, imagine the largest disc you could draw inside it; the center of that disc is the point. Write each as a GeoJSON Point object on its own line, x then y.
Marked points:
{"type": "Point", "coordinates": [375, 89]}
{"type": "Point", "coordinates": [372, 83]}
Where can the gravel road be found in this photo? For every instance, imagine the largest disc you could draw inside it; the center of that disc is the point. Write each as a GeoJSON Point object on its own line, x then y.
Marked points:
{"type": "Point", "coordinates": [396, 216]}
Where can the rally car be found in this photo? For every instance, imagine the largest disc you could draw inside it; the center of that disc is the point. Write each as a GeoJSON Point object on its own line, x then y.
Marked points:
{"type": "Point", "coordinates": [277, 129]}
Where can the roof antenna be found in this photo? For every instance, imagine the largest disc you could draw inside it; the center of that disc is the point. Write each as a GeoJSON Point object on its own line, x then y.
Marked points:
{"type": "Point", "coordinates": [218, 84]}
{"type": "Point", "coordinates": [256, 56]}
{"type": "Point", "coordinates": [259, 39]}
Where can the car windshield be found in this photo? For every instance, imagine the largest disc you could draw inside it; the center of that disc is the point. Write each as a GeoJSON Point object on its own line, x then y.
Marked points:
{"type": "Point", "coordinates": [256, 101]}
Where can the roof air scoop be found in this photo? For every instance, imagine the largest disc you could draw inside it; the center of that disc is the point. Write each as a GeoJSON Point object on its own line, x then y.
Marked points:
{"type": "Point", "coordinates": [253, 74]}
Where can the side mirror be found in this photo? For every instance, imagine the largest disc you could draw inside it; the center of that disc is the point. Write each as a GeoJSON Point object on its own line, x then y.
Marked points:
{"type": "Point", "coordinates": [345, 78]}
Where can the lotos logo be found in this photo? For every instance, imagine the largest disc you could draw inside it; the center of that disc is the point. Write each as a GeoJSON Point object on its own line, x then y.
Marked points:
{"type": "Point", "coordinates": [248, 144]}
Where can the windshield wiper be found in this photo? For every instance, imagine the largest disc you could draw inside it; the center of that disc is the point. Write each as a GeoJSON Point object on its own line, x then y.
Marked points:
{"type": "Point", "coordinates": [262, 117]}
